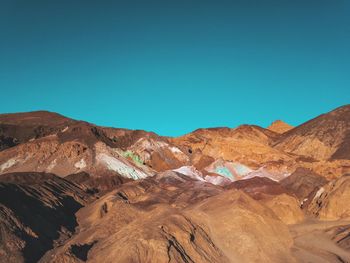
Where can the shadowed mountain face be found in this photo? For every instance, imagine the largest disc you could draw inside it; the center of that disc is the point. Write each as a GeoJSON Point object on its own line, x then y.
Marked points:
{"type": "Point", "coordinates": [325, 137]}
{"type": "Point", "coordinates": [71, 191]}
{"type": "Point", "coordinates": [36, 212]}
{"type": "Point", "coordinates": [258, 187]}
{"type": "Point", "coordinates": [303, 182]}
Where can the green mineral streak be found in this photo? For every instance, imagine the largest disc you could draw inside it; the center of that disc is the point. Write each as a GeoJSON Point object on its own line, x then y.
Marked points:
{"type": "Point", "coordinates": [133, 156]}
{"type": "Point", "coordinates": [222, 170]}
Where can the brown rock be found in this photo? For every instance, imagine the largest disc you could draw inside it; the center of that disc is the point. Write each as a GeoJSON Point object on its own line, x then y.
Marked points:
{"type": "Point", "coordinates": [331, 202]}
{"type": "Point", "coordinates": [279, 127]}
{"type": "Point", "coordinates": [324, 137]}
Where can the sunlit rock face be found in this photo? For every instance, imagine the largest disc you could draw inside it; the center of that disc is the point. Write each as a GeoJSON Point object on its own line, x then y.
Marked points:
{"type": "Point", "coordinates": [279, 127]}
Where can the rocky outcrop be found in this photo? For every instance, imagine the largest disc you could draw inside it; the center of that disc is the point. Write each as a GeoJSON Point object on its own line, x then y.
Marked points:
{"type": "Point", "coordinates": [331, 202]}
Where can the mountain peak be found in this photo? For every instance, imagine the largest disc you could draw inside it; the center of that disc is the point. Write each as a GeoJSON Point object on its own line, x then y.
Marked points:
{"type": "Point", "coordinates": [34, 118]}
{"type": "Point", "coordinates": [279, 126]}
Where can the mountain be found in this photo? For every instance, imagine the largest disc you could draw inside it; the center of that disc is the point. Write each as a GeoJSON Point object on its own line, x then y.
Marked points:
{"type": "Point", "coordinates": [72, 191]}
{"type": "Point", "coordinates": [322, 138]}
{"type": "Point", "coordinates": [50, 143]}
{"type": "Point", "coordinates": [279, 127]}
{"type": "Point", "coordinates": [244, 149]}
{"type": "Point", "coordinates": [172, 227]}
{"type": "Point", "coordinates": [18, 128]}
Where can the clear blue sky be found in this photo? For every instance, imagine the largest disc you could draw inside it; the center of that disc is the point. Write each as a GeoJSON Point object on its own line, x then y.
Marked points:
{"type": "Point", "coordinates": [174, 66]}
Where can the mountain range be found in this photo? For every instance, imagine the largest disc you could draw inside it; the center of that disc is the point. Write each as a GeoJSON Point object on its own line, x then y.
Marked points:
{"type": "Point", "coordinates": [72, 191]}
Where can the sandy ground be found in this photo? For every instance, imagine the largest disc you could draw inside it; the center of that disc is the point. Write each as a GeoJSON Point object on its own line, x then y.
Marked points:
{"type": "Point", "coordinates": [313, 245]}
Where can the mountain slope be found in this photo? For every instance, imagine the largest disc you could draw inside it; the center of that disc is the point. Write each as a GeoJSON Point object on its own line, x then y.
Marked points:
{"type": "Point", "coordinates": [303, 182]}
{"type": "Point", "coordinates": [247, 144]}
{"type": "Point", "coordinates": [48, 142]}
{"type": "Point", "coordinates": [140, 223]}
{"type": "Point", "coordinates": [331, 202]}
{"type": "Point", "coordinates": [16, 128]}
{"type": "Point", "coordinates": [36, 211]}
{"type": "Point", "coordinates": [324, 137]}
